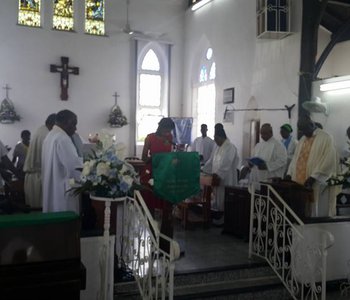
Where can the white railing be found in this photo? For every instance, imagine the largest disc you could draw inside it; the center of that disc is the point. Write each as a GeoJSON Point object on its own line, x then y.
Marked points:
{"type": "Point", "coordinates": [280, 237]}
{"type": "Point", "coordinates": [153, 268]}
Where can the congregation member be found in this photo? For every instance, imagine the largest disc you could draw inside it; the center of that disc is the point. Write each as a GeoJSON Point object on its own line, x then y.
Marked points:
{"type": "Point", "coordinates": [288, 141]}
{"type": "Point", "coordinates": [60, 164]}
{"type": "Point", "coordinates": [21, 149]}
{"type": "Point", "coordinates": [32, 164]}
{"type": "Point", "coordinates": [272, 156]}
{"type": "Point", "coordinates": [160, 141]}
{"type": "Point", "coordinates": [204, 145]}
{"type": "Point", "coordinates": [222, 165]}
{"type": "Point", "coordinates": [314, 161]}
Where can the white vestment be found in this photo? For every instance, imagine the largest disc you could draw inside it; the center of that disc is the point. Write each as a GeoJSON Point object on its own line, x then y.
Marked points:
{"type": "Point", "coordinates": [32, 169]}
{"type": "Point", "coordinates": [223, 162]}
{"type": "Point", "coordinates": [3, 152]}
{"type": "Point", "coordinates": [274, 154]}
{"type": "Point", "coordinates": [321, 164]}
{"type": "Point", "coordinates": [59, 164]}
{"type": "Point", "coordinates": [204, 146]}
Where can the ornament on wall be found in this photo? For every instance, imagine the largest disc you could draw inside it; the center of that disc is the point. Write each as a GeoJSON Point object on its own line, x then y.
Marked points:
{"type": "Point", "coordinates": [8, 114]}
{"type": "Point", "coordinates": [116, 118]}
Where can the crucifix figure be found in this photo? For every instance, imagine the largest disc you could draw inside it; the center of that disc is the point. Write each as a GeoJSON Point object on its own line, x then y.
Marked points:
{"type": "Point", "coordinates": [65, 70]}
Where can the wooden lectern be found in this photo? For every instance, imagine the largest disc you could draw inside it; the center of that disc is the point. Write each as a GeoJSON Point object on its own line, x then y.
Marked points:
{"type": "Point", "coordinates": [295, 195]}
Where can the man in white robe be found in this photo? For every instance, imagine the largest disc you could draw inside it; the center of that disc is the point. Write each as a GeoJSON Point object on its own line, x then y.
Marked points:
{"type": "Point", "coordinates": [32, 165]}
{"type": "Point", "coordinates": [314, 161]}
{"type": "Point", "coordinates": [60, 163]}
{"type": "Point", "coordinates": [223, 166]}
{"type": "Point", "coordinates": [274, 156]}
{"type": "Point", "coordinates": [204, 145]}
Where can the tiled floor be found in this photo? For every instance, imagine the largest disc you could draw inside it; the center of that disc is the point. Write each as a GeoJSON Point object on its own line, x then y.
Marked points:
{"type": "Point", "coordinates": [209, 248]}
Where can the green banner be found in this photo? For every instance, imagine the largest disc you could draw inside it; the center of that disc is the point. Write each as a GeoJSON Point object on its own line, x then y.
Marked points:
{"type": "Point", "coordinates": [176, 175]}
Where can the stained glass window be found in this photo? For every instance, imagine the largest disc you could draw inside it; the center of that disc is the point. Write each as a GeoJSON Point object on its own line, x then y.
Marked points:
{"type": "Point", "coordinates": [29, 13]}
{"type": "Point", "coordinates": [63, 15]}
{"type": "Point", "coordinates": [95, 17]}
{"type": "Point", "coordinates": [203, 75]}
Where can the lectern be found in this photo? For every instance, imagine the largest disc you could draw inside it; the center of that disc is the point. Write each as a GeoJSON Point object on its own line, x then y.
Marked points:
{"type": "Point", "coordinates": [294, 194]}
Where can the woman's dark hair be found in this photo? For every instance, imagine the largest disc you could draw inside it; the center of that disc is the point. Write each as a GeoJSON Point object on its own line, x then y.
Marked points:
{"type": "Point", "coordinates": [166, 123]}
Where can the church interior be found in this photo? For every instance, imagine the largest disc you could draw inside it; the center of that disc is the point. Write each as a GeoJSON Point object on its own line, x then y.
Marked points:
{"type": "Point", "coordinates": [217, 64]}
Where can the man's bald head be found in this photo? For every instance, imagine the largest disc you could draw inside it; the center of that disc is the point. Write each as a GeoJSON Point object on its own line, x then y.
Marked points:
{"type": "Point", "coordinates": [266, 132]}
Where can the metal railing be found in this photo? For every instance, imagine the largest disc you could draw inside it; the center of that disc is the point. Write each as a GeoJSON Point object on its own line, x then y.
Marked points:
{"type": "Point", "coordinates": [152, 267]}
{"type": "Point", "coordinates": [296, 254]}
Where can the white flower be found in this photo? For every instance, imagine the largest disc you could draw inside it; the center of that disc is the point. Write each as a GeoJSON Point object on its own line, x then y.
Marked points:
{"type": "Point", "coordinates": [86, 169]}
{"type": "Point", "coordinates": [71, 182]}
{"type": "Point", "coordinates": [151, 182]}
{"type": "Point", "coordinates": [128, 179]}
{"type": "Point", "coordinates": [120, 150]}
{"type": "Point", "coordinates": [106, 138]}
{"type": "Point", "coordinates": [102, 169]}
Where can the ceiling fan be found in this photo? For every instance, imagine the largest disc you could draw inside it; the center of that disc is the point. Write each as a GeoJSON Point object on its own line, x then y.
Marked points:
{"type": "Point", "coordinates": [137, 33]}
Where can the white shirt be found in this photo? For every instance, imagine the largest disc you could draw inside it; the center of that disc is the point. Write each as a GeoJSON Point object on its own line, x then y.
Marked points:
{"type": "Point", "coordinates": [59, 164]}
{"type": "Point", "coordinates": [274, 154]}
{"type": "Point", "coordinates": [204, 146]}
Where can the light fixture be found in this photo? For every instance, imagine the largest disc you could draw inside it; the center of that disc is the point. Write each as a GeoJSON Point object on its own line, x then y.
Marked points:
{"type": "Point", "coordinates": [338, 85]}
{"type": "Point", "coordinates": [199, 4]}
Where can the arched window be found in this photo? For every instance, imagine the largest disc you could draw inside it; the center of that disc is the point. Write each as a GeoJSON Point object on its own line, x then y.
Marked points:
{"type": "Point", "coordinates": [204, 91]}
{"type": "Point", "coordinates": [63, 15]}
{"type": "Point", "coordinates": [95, 17]}
{"type": "Point", "coordinates": [152, 89]}
{"type": "Point", "coordinates": [29, 13]}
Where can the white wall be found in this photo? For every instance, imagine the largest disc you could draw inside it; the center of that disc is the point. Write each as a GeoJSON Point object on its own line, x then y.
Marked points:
{"type": "Point", "coordinates": [104, 62]}
{"type": "Point", "coordinates": [337, 64]}
{"type": "Point", "coordinates": [264, 69]}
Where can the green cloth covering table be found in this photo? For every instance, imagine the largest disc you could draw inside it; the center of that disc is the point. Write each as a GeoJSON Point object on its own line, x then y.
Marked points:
{"type": "Point", "coordinates": [38, 218]}
{"type": "Point", "coordinates": [176, 175]}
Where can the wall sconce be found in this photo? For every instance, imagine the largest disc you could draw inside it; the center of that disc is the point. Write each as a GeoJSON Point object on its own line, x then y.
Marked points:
{"type": "Point", "coordinates": [199, 4]}
{"type": "Point", "coordinates": [337, 85]}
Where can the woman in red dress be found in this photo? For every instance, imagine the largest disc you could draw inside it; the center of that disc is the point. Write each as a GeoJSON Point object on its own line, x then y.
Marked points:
{"type": "Point", "coordinates": [158, 142]}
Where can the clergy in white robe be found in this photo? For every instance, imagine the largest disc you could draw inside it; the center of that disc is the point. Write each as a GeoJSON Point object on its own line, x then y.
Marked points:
{"type": "Point", "coordinates": [204, 145]}
{"type": "Point", "coordinates": [314, 161]}
{"type": "Point", "coordinates": [222, 165]}
{"type": "Point", "coordinates": [60, 164]}
{"type": "Point", "coordinates": [274, 155]}
{"type": "Point", "coordinates": [32, 165]}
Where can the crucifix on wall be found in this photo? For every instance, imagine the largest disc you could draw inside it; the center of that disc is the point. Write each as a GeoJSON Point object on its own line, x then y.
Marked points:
{"type": "Point", "coordinates": [64, 70]}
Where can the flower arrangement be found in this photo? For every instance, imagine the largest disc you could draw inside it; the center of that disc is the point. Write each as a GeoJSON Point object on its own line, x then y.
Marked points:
{"type": "Point", "coordinates": [106, 173]}
{"type": "Point", "coordinates": [342, 178]}
{"type": "Point", "coordinates": [7, 112]}
{"type": "Point", "coordinates": [116, 117]}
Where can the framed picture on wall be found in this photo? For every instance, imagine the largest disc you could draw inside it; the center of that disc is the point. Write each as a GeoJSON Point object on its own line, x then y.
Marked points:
{"type": "Point", "coordinates": [229, 95]}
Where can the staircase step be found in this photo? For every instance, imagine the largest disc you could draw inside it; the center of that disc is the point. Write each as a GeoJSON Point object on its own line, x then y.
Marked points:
{"type": "Point", "coordinates": [231, 287]}
{"type": "Point", "coordinates": [222, 274]}
{"type": "Point", "coordinates": [212, 282]}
